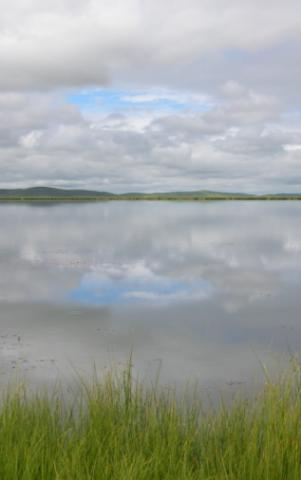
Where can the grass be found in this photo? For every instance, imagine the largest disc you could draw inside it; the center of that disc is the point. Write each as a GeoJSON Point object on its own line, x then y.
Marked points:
{"type": "Point", "coordinates": [118, 429]}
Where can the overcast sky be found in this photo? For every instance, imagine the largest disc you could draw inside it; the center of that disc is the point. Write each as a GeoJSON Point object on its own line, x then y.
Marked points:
{"type": "Point", "coordinates": [150, 95]}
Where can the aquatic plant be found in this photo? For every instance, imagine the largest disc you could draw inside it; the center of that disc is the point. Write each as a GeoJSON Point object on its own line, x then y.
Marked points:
{"type": "Point", "coordinates": [117, 428]}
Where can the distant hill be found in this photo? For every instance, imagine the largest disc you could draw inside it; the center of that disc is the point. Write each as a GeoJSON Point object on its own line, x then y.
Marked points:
{"type": "Point", "coordinates": [59, 194]}
{"type": "Point", "coordinates": [48, 192]}
{"type": "Point", "coordinates": [204, 193]}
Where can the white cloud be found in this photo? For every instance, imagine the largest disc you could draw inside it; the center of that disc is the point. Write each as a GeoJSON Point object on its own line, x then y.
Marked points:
{"type": "Point", "coordinates": [236, 145]}
{"type": "Point", "coordinates": [31, 139]}
{"type": "Point", "coordinates": [235, 60]}
{"type": "Point", "coordinates": [46, 44]}
{"type": "Point", "coordinates": [291, 147]}
{"type": "Point", "coordinates": [161, 95]}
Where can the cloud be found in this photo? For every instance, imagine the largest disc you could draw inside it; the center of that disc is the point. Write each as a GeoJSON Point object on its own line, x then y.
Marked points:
{"type": "Point", "coordinates": [198, 94]}
{"type": "Point", "coordinates": [185, 98]}
{"type": "Point", "coordinates": [241, 143]}
{"type": "Point", "coordinates": [85, 43]}
{"type": "Point", "coordinates": [291, 147]}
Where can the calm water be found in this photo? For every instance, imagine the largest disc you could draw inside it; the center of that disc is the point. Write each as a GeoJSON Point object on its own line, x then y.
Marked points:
{"type": "Point", "coordinates": [201, 291]}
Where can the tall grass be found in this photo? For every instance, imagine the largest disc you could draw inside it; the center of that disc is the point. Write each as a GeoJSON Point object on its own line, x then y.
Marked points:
{"type": "Point", "coordinates": [117, 429]}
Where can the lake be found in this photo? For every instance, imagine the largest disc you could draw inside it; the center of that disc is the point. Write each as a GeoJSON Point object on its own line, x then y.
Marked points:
{"type": "Point", "coordinates": [197, 291]}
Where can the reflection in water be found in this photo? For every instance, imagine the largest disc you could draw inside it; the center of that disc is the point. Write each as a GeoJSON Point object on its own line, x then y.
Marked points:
{"type": "Point", "coordinates": [203, 288]}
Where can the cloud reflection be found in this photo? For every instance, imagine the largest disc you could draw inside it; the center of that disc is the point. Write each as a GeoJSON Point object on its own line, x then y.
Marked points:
{"type": "Point", "coordinates": [200, 286]}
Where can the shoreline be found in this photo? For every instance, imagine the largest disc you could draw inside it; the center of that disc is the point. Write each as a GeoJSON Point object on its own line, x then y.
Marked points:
{"type": "Point", "coordinates": [154, 198]}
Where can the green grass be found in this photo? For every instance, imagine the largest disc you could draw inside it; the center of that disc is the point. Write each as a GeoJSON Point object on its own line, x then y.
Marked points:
{"type": "Point", "coordinates": [117, 429]}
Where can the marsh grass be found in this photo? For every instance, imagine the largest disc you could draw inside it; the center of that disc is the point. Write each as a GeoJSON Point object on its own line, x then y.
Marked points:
{"type": "Point", "coordinates": [116, 428]}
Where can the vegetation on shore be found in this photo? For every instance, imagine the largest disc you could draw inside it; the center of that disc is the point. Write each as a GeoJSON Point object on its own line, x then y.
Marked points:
{"type": "Point", "coordinates": [45, 194]}
{"type": "Point", "coordinates": [118, 429]}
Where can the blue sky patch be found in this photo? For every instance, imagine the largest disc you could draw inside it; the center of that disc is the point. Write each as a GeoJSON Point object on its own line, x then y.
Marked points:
{"type": "Point", "coordinates": [110, 100]}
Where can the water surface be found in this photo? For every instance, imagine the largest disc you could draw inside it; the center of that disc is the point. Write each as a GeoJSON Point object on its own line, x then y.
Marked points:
{"type": "Point", "coordinates": [204, 291]}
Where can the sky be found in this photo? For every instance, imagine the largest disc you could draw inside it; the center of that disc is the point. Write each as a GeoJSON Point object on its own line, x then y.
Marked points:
{"type": "Point", "coordinates": [148, 95]}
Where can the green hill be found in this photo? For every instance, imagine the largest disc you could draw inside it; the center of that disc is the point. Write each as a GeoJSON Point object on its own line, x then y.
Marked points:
{"type": "Point", "coordinates": [48, 192]}
{"type": "Point", "coordinates": [59, 194]}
